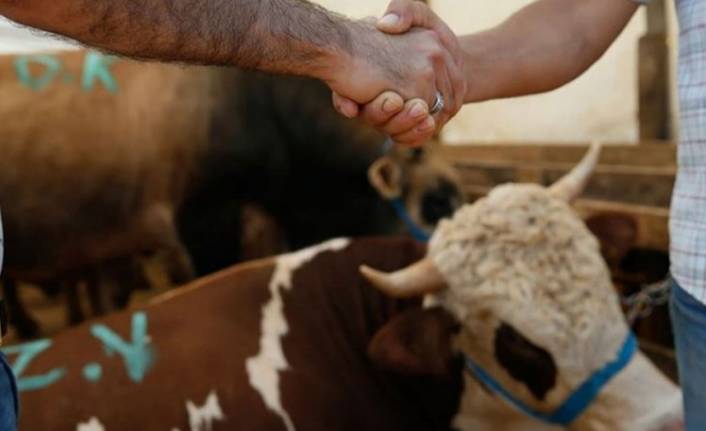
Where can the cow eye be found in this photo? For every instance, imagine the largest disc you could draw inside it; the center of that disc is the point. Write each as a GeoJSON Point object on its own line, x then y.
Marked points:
{"type": "Point", "coordinates": [525, 361]}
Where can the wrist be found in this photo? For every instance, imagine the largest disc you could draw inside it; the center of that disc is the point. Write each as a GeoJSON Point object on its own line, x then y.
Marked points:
{"type": "Point", "coordinates": [473, 69]}
{"type": "Point", "coordinates": [352, 69]}
{"type": "Point", "coordinates": [335, 57]}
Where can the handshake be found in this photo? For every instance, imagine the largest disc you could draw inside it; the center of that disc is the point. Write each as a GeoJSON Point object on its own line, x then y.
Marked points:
{"type": "Point", "coordinates": [403, 74]}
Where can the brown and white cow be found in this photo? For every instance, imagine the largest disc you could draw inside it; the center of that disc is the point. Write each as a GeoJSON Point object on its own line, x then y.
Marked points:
{"type": "Point", "coordinates": [303, 342]}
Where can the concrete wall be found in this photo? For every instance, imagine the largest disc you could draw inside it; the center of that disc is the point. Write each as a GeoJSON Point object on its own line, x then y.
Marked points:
{"type": "Point", "coordinates": [601, 105]}
{"type": "Point", "coordinates": [15, 39]}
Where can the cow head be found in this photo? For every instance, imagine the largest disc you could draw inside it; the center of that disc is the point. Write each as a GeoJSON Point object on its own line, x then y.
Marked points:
{"type": "Point", "coordinates": [515, 282]}
{"type": "Point", "coordinates": [421, 180]}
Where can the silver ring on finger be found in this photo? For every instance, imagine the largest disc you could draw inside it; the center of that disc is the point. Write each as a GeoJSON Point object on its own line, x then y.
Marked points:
{"type": "Point", "coordinates": [438, 104]}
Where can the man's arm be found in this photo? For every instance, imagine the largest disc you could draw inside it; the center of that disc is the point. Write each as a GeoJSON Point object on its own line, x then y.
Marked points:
{"type": "Point", "coordinates": [542, 47]}
{"type": "Point", "coordinates": [278, 36]}
{"type": "Point", "coordinates": [287, 36]}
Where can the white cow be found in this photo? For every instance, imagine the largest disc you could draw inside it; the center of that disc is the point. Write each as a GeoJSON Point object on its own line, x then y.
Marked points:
{"type": "Point", "coordinates": [540, 324]}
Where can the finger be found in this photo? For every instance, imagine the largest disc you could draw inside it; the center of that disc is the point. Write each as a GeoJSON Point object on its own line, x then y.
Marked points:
{"type": "Point", "coordinates": [443, 83]}
{"type": "Point", "coordinates": [415, 112]}
{"type": "Point", "coordinates": [417, 136]}
{"type": "Point", "coordinates": [425, 17]}
{"type": "Point", "coordinates": [383, 108]}
{"type": "Point", "coordinates": [446, 35]}
{"type": "Point", "coordinates": [456, 81]}
{"type": "Point", "coordinates": [345, 106]}
{"type": "Point", "coordinates": [402, 15]}
{"type": "Point", "coordinates": [398, 18]}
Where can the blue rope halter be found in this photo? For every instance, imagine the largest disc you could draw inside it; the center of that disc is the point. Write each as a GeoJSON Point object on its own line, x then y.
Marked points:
{"type": "Point", "coordinates": [578, 401]}
{"type": "Point", "coordinates": [401, 209]}
{"type": "Point", "coordinates": [414, 229]}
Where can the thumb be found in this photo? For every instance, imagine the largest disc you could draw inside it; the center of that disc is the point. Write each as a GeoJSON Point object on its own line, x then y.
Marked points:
{"type": "Point", "coordinates": [345, 106]}
{"type": "Point", "coordinates": [398, 18]}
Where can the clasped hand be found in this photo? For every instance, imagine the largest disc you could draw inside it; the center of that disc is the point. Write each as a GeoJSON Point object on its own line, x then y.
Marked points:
{"type": "Point", "coordinates": [397, 66]}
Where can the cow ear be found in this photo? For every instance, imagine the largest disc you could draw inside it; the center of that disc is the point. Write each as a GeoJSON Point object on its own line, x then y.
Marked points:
{"type": "Point", "coordinates": [385, 176]}
{"type": "Point", "coordinates": [525, 361]}
{"type": "Point", "coordinates": [417, 341]}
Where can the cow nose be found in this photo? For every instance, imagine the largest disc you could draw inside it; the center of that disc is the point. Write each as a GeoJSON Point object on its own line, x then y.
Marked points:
{"type": "Point", "coordinates": [439, 203]}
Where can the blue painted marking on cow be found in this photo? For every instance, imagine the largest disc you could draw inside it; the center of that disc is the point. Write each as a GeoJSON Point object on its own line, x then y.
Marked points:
{"type": "Point", "coordinates": [52, 68]}
{"type": "Point", "coordinates": [96, 67]}
{"type": "Point", "coordinates": [25, 354]}
{"type": "Point", "coordinates": [96, 70]}
{"type": "Point", "coordinates": [137, 355]}
{"type": "Point", "coordinates": [93, 372]}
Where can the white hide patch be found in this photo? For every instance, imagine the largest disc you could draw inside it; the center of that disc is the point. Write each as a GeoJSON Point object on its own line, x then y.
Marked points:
{"type": "Point", "coordinates": [201, 417]}
{"type": "Point", "coordinates": [93, 424]}
{"type": "Point", "coordinates": [263, 369]}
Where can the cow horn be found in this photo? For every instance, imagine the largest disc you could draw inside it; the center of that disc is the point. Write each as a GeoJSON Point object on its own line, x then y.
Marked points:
{"type": "Point", "coordinates": [572, 184]}
{"type": "Point", "coordinates": [415, 280]}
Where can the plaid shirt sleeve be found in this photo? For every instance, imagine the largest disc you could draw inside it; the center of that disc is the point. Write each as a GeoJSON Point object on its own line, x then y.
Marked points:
{"type": "Point", "coordinates": [688, 218]}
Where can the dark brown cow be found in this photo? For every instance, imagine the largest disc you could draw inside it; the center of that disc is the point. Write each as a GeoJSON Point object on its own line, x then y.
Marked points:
{"type": "Point", "coordinates": [94, 167]}
{"type": "Point", "coordinates": [104, 159]}
{"type": "Point", "coordinates": [257, 347]}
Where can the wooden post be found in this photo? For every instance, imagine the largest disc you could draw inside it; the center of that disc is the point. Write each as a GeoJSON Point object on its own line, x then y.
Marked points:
{"type": "Point", "coordinates": [654, 76]}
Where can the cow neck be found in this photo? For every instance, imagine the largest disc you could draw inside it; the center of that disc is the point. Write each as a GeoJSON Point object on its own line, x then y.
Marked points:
{"type": "Point", "coordinates": [620, 407]}
{"type": "Point", "coordinates": [348, 313]}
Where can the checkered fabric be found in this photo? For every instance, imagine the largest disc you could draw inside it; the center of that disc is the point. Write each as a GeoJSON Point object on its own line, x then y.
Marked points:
{"type": "Point", "coordinates": [688, 219]}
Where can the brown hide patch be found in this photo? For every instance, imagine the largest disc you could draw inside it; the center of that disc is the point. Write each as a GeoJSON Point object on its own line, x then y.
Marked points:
{"type": "Point", "coordinates": [201, 339]}
{"type": "Point", "coordinates": [417, 341]}
{"type": "Point", "coordinates": [525, 361]}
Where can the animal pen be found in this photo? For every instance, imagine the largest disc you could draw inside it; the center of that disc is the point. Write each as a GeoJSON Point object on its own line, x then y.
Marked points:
{"type": "Point", "coordinates": [262, 263]}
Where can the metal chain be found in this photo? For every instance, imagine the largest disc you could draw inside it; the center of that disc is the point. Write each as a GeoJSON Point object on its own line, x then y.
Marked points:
{"type": "Point", "coordinates": [641, 304]}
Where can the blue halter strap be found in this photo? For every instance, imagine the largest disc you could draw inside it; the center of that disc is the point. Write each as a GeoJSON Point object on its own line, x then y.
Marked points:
{"type": "Point", "coordinates": [578, 401]}
{"type": "Point", "coordinates": [415, 230]}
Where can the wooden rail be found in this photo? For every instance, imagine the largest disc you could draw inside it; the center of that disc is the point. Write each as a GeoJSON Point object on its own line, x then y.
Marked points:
{"type": "Point", "coordinates": [632, 180]}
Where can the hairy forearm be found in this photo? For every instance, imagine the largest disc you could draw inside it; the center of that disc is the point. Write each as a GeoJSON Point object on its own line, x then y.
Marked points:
{"type": "Point", "coordinates": [544, 46]}
{"type": "Point", "coordinates": [279, 36]}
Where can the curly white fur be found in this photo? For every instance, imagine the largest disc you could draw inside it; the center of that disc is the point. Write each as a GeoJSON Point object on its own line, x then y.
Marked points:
{"type": "Point", "coordinates": [522, 257]}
